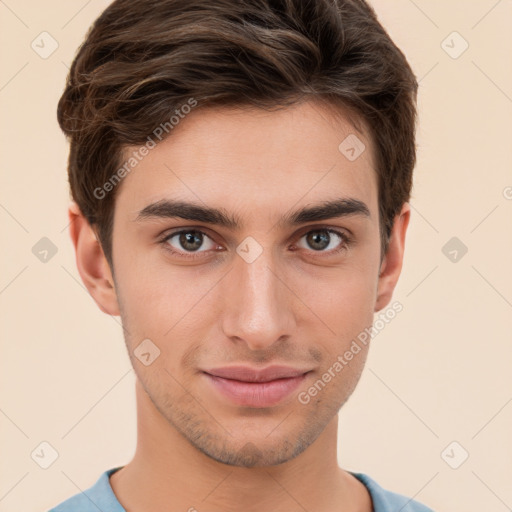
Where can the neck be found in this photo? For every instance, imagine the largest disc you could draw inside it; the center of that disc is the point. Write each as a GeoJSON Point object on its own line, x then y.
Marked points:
{"type": "Point", "coordinates": [167, 469]}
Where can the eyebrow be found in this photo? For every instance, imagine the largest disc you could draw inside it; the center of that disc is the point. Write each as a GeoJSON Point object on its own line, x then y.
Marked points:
{"type": "Point", "coordinates": [170, 209]}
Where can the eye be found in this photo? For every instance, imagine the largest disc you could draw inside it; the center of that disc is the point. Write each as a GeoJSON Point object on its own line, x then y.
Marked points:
{"type": "Point", "coordinates": [325, 240]}
{"type": "Point", "coordinates": [194, 243]}
{"type": "Point", "coordinates": [188, 241]}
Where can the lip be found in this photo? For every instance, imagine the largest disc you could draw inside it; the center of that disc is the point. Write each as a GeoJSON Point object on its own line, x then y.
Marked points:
{"type": "Point", "coordinates": [254, 387]}
{"type": "Point", "coordinates": [250, 374]}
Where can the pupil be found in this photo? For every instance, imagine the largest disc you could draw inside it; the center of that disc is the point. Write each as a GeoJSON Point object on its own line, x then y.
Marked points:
{"type": "Point", "coordinates": [191, 240]}
{"type": "Point", "coordinates": [318, 240]}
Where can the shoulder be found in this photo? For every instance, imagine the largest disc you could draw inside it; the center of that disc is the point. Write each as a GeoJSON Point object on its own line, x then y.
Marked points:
{"type": "Point", "coordinates": [98, 497]}
{"type": "Point", "coordinates": [387, 501]}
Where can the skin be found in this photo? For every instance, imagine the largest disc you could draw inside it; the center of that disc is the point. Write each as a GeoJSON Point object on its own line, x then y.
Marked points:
{"type": "Point", "coordinates": [293, 305]}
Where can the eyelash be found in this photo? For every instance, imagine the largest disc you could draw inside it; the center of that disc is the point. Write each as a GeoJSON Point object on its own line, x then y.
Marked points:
{"type": "Point", "coordinates": [345, 242]}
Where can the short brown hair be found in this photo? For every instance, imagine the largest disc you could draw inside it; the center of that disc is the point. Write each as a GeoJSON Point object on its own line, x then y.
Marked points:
{"type": "Point", "coordinates": [143, 59]}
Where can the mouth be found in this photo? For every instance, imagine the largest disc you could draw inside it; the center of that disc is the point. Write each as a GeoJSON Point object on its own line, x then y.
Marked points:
{"type": "Point", "coordinates": [249, 387]}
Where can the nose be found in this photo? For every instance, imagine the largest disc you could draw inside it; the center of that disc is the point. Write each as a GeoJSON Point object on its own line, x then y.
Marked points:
{"type": "Point", "coordinates": [258, 306]}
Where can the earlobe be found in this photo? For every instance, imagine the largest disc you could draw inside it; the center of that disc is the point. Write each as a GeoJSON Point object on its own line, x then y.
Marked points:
{"type": "Point", "coordinates": [91, 262]}
{"type": "Point", "coordinates": [392, 263]}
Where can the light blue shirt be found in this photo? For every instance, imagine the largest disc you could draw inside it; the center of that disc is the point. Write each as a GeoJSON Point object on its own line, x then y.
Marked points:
{"type": "Point", "coordinates": [101, 498]}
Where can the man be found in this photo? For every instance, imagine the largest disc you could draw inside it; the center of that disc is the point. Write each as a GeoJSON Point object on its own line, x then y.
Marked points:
{"type": "Point", "coordinates": [240, 173]}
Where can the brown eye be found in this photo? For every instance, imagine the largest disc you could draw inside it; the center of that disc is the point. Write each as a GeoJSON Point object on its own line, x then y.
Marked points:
{"type": "Point", "coordinates": [324, 240]}
{"type": "Point", "coordinates": [189, 241]}
{"type": "Point", "coordinates": [318, 240]}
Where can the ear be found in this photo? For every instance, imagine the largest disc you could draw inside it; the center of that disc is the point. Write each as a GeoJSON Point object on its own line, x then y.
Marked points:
{"type": "Point", "coordinates": [391, 265]}
{"type": "Point", "coordinates": [91, 262]}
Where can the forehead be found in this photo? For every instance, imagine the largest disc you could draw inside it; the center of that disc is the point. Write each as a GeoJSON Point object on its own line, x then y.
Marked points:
{"type": "Point", "coordinates": [249, 159]}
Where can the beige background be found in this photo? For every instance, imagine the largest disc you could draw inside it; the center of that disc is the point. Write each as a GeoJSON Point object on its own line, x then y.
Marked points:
{"type": "Point", "coordinates": [438, 373]}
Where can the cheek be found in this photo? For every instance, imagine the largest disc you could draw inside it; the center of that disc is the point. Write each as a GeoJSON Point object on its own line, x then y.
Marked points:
{"type": "Point", "coordinates": [334, 383]}
{"type": "Point", "coordinates": [343, 298]}
{"type": "Point", "coordinates": [145, 302]}
{"type": "Point", "coordinates": [148, 288]}
{"type": "Point", "coordinates": [163, 304]}
{"type": "Point", "coordinates": [343, 306]}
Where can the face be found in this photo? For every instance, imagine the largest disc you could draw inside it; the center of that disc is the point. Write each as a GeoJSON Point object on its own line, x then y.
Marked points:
{"type": "Point", "coordinates": [241, 278]}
